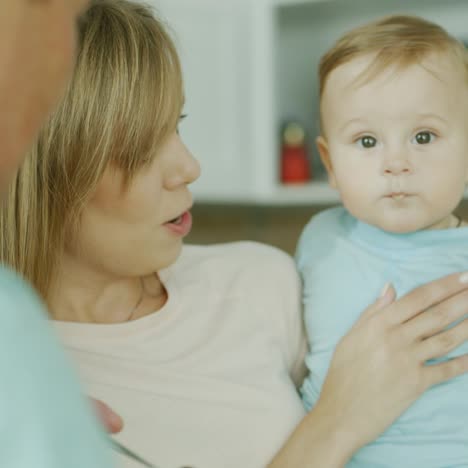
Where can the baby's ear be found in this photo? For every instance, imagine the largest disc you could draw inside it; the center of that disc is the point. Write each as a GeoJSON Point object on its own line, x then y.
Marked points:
{"type": "Point", "coordinates": [322, 147]}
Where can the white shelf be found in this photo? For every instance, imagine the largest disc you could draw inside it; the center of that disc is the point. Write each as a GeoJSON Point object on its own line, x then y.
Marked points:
{"type": "Point", "coordinates": [293, 3]}
{"type": "Point", "coordinates": [310, 194]}
{"type": "Point", "coordinates": [313, 193]}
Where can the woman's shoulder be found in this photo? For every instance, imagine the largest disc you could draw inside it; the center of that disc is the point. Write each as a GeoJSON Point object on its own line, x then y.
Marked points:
{"type": "Point", "coordinates": [241, 253]}
{"type": "Point", "coordinates": [244, 257]}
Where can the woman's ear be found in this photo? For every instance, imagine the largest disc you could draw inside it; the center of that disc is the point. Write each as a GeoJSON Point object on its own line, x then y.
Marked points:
{"type": "Point", "coordinates": [322, 147]}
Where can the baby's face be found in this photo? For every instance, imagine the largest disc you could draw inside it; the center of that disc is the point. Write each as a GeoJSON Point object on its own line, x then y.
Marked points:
{"type": "Point", "coordinates": [396, 147]}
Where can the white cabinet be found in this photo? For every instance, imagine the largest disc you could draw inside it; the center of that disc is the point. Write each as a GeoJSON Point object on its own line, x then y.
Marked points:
{"type": "Point", "coordinates": [251, 64]}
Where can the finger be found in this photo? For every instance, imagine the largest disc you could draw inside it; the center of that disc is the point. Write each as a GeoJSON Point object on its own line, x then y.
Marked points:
{"type": "Point", "coordinates": [438, 373]}
{"type": "Point", "coordinates": [437, 318]}
{"type": "Point", "coordinates": [440, 345]}
{"type": "Point", "coordinates": [428, 295]}
{"type": "Point", "coordinates": [112, 422]}
{"type": "Point", "coordinates": [387, 296]}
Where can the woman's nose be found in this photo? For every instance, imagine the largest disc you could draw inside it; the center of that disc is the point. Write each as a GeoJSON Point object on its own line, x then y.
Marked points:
{"type": "Point", "coordinates": [191, 168]}
{"type": "Point", "coordinates": [185, 169]}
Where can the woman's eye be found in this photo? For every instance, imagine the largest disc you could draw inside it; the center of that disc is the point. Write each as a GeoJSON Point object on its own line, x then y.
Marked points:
{"type": "Point", "coordinates": [367, 141]}
{"type": "Point", "coordinates": [423, 138]}
{"type": "Point", "coordinates": [182, 117]}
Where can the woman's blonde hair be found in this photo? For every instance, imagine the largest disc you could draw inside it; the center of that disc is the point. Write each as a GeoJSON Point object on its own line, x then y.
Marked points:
{"type": "Point", "coordinates": [124, 100]}
{"type": "Point", "coordinates": [395, 41]}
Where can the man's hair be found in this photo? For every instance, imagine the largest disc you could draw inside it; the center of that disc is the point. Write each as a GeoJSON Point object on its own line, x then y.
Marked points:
{"type": "Point", "coordinates": [123, 102]}
{"type": "Point", "coordinates": [398, 41]}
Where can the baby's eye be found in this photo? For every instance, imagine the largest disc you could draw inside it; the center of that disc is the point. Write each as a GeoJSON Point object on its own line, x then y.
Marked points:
{"type": "Point", "coordinates": [423, 138]}
{"type": "Point", "coordinates": [367, 141]}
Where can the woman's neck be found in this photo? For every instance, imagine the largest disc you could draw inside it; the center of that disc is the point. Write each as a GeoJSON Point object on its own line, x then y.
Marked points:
{"type": "Point", "coordinates": [81, 294]}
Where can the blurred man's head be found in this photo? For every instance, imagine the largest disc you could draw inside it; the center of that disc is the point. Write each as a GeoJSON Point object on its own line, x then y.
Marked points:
{"type": "Point", "coordinates": [37, 50]}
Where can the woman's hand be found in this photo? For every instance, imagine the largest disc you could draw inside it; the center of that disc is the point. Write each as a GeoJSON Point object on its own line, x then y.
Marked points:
{"type": "Point", "coordinates": [379, 369]}
{"type": "Point", "coordinates": [111, 421]}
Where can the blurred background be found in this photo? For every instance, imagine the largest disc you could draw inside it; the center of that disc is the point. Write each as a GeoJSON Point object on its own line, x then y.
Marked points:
{"type": "Point", "coordinates": [250, 69]}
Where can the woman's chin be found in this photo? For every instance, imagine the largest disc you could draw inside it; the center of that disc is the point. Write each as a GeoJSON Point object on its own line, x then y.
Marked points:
{"type": "Point", "coordinates": [166, 257]}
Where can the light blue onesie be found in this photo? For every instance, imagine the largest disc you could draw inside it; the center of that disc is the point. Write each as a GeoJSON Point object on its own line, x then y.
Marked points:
{"type": "Point", "coordinates": [345, 264]}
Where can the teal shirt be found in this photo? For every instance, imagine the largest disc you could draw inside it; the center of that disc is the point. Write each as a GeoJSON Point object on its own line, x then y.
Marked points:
{"type": "Point", "coordinates": [44, 420]}
{"type": "Point", "coordinates": [345, 264]}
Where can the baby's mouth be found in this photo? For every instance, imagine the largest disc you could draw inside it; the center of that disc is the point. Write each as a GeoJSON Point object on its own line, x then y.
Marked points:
{"type": "Point", "coordinates": [398, 196]}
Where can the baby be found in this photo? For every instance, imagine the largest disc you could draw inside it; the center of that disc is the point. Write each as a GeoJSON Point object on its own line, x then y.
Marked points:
{"type": "Point", "coordinates": [394, 118]}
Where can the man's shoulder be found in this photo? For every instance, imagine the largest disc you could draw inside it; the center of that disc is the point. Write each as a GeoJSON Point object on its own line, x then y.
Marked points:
{"type": "Point", "coordinates": [40, 395]}
{"type": "Point", "coordinates": [10, 282]}
{"type": "Point", "coordinates": [18, 301]}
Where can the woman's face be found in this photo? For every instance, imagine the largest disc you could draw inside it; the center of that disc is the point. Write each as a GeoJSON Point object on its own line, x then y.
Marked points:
{"type": "Point", "coordinates": [139, 229]}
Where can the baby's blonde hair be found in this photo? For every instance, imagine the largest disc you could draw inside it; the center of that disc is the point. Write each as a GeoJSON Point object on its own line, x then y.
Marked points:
{"type": "Point", "coordinates": [396, 40]}
{"type": "Point", "coordinates": [124, 100]}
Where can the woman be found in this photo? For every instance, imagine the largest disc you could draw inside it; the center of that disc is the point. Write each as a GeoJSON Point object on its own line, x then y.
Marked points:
{"type": "Point", "coordinates": [198, 348]}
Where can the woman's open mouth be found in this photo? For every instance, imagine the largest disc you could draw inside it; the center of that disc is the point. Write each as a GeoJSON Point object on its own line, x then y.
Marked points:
{"type": "Point", "coordinates": [181, 225]}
